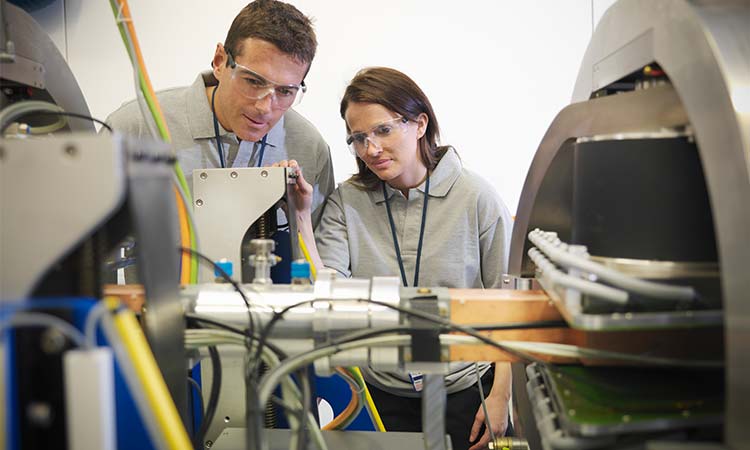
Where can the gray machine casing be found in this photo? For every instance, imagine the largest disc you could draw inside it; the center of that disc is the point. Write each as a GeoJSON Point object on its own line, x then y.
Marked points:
{"type": "Point", "coordinates": [704, 49]}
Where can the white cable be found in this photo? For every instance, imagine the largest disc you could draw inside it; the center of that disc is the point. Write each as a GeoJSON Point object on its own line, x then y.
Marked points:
{"type": "Point", "coordinates": [95, 314]}
{"type": "Point", "coordinates": [574, 351]}
{"type": "Point", "coordinates": [558, 277]}
{"type": "Point", "coordinates": [35, 319]}
{"type": "Point", "coordinates": [16, 110]}
{"type": "Point", "coordinates": [271, 379]}
{"type": "Point", "coordinates": [210, 337]}
{"type": "Point", "coordinates": [141, 99]}
{"type": "Point", "coordinates": [556, 250]}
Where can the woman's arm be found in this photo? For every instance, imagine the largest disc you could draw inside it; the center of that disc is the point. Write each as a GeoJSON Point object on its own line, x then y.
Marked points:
{"type": "Point", "coordinates": [497, 407]}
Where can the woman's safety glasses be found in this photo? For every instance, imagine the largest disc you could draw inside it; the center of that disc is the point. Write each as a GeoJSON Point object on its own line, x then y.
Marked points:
{"type": "Point", "coordinates": [380, 134]}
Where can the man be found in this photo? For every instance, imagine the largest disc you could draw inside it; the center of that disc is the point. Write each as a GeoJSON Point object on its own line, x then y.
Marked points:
{"type": "Point", "coordinates": [239, 114]}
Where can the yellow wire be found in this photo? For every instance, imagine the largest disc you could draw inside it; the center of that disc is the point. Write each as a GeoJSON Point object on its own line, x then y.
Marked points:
{"type": "Point", "coordinates": [306, 253]}
{"type": "Point", "coordinates": [369, 403]}
{"type": "Point", "coordinates": [121, 10]}
{"type": "Point", "coordinates": [155, 389]}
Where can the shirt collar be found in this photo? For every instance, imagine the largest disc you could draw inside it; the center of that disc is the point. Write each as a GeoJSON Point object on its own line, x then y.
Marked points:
{"type": "Point", "coordinates": [442, 178]}
{"type": "Point", "coordinates": [201, 118]}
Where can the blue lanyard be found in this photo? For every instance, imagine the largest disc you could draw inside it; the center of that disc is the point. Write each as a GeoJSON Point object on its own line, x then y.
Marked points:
{"type": "Point", "coordinates": [262, 149]}
{"type": "Point", "coordinates": [421, 234]}
{"type": "Point", "coordinates": [219, 147]}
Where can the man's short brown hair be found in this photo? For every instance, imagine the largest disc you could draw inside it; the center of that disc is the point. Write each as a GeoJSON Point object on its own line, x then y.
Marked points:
{"type": "Point", "coordinates": [276, 22]}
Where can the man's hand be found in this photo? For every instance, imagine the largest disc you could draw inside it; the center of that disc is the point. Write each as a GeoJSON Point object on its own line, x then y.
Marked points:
{"type": "Point", "coordinates": [497, 408]}
{"type": "Point", "coordinates": [303, 191]}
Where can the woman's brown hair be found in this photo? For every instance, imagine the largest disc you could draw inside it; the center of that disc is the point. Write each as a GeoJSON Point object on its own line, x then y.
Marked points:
{"type": "Point", "coordinates": [400, 94]}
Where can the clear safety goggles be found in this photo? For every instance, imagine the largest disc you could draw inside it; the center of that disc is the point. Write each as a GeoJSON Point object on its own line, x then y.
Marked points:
{"type": "Point", "coordinates": [255, 86]}
{"type": "Point", "coordinates": [379, 135]}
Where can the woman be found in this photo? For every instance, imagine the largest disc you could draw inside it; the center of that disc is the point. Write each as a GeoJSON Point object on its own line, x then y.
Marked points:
{"type": "Point", "coordinates": [413, 211]}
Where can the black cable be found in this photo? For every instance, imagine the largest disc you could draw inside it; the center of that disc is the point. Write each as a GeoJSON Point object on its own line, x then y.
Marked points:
{"type": "Point", "coordinates": [306, 400]}
{"type": "Point", "coordinates": [274, 348]}
{"type": "Point", "coordinates": [370, 332]}
{"type": "Point", "coordinates": [71, 114]}
{"type": "Point", "coordinates": [429, 317]}
{"type": "Point", "coordinates": [367, 333]}
{"type": "Point", "coordinates": [228, 279]}
{"type": "Point", "coordinates": [215, 323]}
{"type": "Point", "coordinates": [198, 390]}
{"type": "Point", "coordinates": [518, 325]}
{"type": "Point", "coordinates": [454, 326]}
{"type": "Point", "coordinates": [213, 398]}
{"type": "Point", "coordinates": [267, 330]}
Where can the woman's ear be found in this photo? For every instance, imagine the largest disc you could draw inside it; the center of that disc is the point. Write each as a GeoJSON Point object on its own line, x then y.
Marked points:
{"type": "Point", "coordinates": [422, 121]}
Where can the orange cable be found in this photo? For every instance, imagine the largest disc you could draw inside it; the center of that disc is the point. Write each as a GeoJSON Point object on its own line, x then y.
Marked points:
{"type": "Point", "coordinates": [346, 413]}
{"type": "Point", "coordinates": [184, 238]}
{"type": "Point", "coordinates": [125, 11]}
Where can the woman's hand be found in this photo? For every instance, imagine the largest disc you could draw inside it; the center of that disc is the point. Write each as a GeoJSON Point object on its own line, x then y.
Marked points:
{"type": "Point", "coordinates": [303, 191]}
{"type": "Point", "coordinates": [497, 409]}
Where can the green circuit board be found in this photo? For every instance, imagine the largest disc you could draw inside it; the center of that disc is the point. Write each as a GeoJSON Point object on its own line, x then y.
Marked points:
{"type": "Point", "coordinates": [595, 400]}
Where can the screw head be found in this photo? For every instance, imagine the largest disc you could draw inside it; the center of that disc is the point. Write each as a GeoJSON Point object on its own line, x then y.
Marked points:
{"type": "Point", "coordinates": [233, 174]}
{"type": "Point", "coordinates": [203, 175]}
{"type": "Point", "coordinates": [264, 173]}
{"type": "Point", "coordinates": [71, 150]}
{"type": "Point", "coordinates": [209, 444]}
{"type": "Point", "coordinates": [199, 202]}
{"type": "Point", "coordinates": [52, 341]}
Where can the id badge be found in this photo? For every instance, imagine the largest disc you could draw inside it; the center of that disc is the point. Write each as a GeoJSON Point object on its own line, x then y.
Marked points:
{"type": "Point", "coordinates": [417, 379]}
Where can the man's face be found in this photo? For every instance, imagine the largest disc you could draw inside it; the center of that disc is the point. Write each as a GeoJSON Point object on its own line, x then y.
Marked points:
{"type": "Point", "coordinates": [251, 118]}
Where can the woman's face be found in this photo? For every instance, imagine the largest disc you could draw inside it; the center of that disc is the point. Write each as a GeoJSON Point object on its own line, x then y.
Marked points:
{"type": "Point", "coordinates": [387, 144]}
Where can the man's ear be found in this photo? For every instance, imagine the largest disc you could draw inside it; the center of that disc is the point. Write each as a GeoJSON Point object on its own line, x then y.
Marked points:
{"type": "Point", "coordinates": [219, 63]}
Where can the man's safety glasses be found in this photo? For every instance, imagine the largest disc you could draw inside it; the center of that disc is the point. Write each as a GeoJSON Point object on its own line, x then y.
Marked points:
{"type": "Point", "coordinates": [255, 86]}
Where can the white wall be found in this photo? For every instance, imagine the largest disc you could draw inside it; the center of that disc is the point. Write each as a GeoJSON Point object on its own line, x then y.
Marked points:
{"type": "Point", "coordinates": [497, 72]}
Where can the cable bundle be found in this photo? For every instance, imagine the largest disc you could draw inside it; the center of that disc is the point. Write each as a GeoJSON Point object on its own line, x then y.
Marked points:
{"type": "Point", "coordinates": [147, 101]}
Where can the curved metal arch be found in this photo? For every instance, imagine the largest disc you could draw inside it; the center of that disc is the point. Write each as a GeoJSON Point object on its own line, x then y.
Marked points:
{"type": "Point", "coordinates": [704, 49]}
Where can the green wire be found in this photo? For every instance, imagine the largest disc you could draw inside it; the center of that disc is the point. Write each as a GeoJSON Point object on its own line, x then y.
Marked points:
{"type": "Point", "coordinates": [164, 133]}
{"type": "Point", "coordinates": [361, 381]}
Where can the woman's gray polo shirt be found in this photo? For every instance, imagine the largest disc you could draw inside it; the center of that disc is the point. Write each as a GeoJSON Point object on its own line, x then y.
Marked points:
{"type": "Point", "coordinates": [466, 242]}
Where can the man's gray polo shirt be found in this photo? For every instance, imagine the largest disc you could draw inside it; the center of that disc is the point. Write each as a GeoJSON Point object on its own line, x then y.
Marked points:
{"type": "Point", "coordinates": [466, 241]}
{"type": "Point", "coordinates": [188, 115]}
